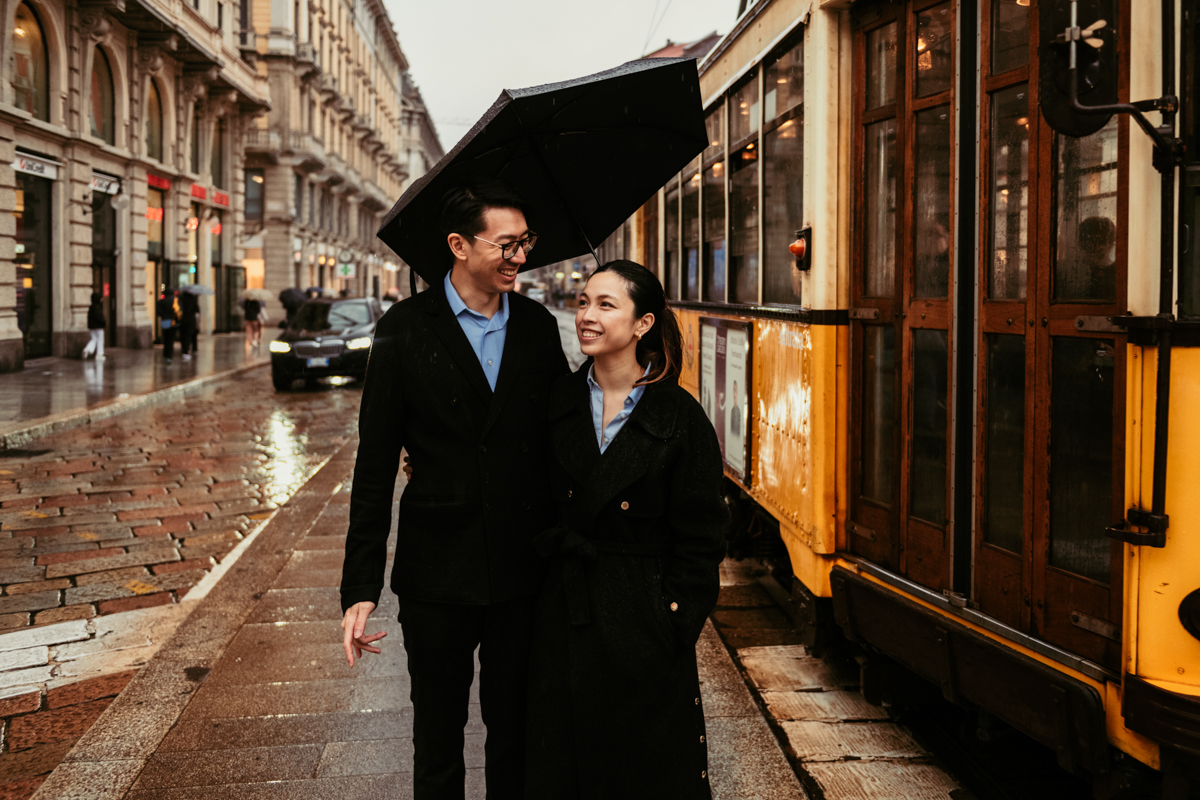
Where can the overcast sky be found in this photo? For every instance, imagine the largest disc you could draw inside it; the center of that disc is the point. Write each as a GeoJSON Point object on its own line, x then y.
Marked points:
{"type": "Point", "coordinates": [462, 53]}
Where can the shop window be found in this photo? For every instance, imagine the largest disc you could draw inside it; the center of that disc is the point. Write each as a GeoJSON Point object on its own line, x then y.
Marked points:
{"type": "Point", "coordinates": [102, 119]}
{"type": "Point", "coordinates": [31, 67]}
{"type": "Point", "coordinates": [154, 123]}
{"type": "Point", "coordinates": [254, 195]}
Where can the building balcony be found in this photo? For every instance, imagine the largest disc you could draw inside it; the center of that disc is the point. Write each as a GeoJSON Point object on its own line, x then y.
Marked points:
{"type": "Point", "coordinates": [374, 197]}
{"type": "Point", "coordinates": [308, 60]}
{"type": "Point", "coordinates": [329, 88]}
{"type": "Point", "coordinates": [264, 142]}
{"type": "Point", "coordinates": [362, 123]}
{"type": "Point", "coordinates": [308, 151]}
{"type": "Point", "coordinates": [335, 169]}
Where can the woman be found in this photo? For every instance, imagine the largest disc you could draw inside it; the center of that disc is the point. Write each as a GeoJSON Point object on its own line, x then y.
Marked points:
{"type": "Point", "coordinates": [615, 706]}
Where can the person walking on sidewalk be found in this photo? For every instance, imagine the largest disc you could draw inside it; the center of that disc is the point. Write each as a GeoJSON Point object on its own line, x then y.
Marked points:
{"type": "Point", "coordinates": [169, 322]}
{"type": "Point", "coordinates": [460, 376]}
{"type": "Point", "coordinates": [96, 325]}
{"type": "Point", "coordinates": [252, 311]}
{"type": "Point", "coordinates": [189, 324]}
{"type": "Point", "coordinates": [636, 472]}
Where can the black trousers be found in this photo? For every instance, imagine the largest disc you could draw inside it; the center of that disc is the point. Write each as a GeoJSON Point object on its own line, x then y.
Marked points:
{"type": "Point", "coordinates": [168, 338]}
{"type": "Point", "coordinates": [440, 641]}
{"type": "Point", "coordinates": [187, 339]}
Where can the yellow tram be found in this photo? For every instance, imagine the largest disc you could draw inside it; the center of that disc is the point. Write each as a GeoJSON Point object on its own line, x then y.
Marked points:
{"type": "Point", "coordinates": [948, 406]}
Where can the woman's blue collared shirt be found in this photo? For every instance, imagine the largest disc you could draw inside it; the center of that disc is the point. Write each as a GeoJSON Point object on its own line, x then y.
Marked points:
{"type": "Point", "coordinates": [604, 435]}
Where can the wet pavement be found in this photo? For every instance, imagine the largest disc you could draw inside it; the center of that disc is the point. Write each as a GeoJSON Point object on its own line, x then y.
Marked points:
{"type": "Point", "coordinates": [49, 387]}
{"type": "Point", "coordinates": [132, 511]}
{"type": "Point", "coordinates": [252, 698]}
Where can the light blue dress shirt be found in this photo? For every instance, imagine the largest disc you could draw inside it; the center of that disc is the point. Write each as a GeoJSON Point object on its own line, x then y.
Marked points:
{"type": "Point", "coordinates": [604, 435]}
{"type": "Point", "coordinates": [485, 335]}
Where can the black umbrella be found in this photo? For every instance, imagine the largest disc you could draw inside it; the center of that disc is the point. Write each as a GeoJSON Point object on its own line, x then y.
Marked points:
{"type": "Point", "coordinates": [584, 153]}
{"type": "Point", "coordinates": [292, 298]}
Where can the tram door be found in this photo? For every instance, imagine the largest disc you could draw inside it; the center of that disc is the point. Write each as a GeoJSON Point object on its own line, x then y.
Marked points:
{"type": "Point", "coordinates": [1050, 421]}
{"type": "Point", "coordinates": [1047, 404]}
{"type": "Point", "coordinates": [902, 284]}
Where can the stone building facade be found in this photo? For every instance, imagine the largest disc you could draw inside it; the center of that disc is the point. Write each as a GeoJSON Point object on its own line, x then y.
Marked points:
{"type": "Point", "coordinates": [121, 129]}
{"type": "Point", "coordinates": [346, 133]}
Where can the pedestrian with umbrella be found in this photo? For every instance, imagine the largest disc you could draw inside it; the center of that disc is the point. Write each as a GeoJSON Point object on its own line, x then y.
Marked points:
{"type": "Point", "coordinates": [460, 376]}
{"type": "Point", "coordinates": [254, 314]}
{"type": "Point", "coordinates": [291, 298]}
{"type": "Point", "coordinates": [168, 316]}
{"type": "Point", "coordinates": [189, 318]}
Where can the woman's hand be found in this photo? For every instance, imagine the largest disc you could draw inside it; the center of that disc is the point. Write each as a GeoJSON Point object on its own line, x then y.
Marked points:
{"type": "Point", "coordinates": [353, 625]}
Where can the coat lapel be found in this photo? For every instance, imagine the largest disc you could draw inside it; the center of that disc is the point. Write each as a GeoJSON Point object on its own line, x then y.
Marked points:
{"type": "Point", "coordinates": [516, 346]}
{"type": "Point", "coordinates": [446, 326]}
{"type": "Point", "coordinates": [572, 437]}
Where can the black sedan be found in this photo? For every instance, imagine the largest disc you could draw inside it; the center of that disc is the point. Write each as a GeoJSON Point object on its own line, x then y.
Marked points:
{"type": "Point", "coordinates": [326, 338]}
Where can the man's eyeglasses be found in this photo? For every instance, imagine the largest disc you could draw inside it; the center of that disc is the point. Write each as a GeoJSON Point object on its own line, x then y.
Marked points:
{"type": "Point", "coordinates": [510, 250]}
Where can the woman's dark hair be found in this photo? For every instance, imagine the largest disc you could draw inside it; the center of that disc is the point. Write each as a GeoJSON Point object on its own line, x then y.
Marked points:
{"type": "Point", "coordinates": [97, 297]}
{"type": "Point", "coordinates": [661, 346]}
{"type": "Point", "coordinates": [462, 207]}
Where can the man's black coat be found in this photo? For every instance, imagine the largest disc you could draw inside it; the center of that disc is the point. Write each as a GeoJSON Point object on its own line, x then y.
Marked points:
{"type": "Point", "coordinates": [480, 485]}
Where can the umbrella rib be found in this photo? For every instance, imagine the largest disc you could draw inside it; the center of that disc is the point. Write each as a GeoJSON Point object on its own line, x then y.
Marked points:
{"type": "Point", "coordinates": [562, 198]}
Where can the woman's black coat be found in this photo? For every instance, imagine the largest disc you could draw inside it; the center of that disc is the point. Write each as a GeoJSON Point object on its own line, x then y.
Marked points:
{"type": "Point", "coordinates": [615, 706]}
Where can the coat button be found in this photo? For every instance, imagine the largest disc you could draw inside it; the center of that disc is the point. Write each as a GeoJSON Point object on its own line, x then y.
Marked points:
{"type": "Point", "coordinates": [703, 773]}
{"type": "Point", "coordinates": [524, 447]}
{"type": "Point", "coordinates": [701, 740]}
{"type": "Point", "coordinates": [624, 505]}
{"type": "Point", "coordinates": [674, 606]}
{"type": "Point", "coordinates": [453, 401]}
{"type": "Point", "coordinates": [697, 701]}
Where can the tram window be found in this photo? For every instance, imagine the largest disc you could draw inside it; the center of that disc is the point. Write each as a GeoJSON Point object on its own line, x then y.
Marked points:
{"type": "Point", "coordinates": [935, 34]}
{"type": "Point", "coordinates": [1081, 459]}
{"type": "Point", "coordinates": [783, 198]}
{"type": "Point", "coordinates": [691, 238]}
{"type": "Point", "coordinates": [881, 66]}
{"type": "Point", "coordinates": [1009, 193]}
{"type": "Point", "coordinates": [927, 481]}
{"type": "Point", "coordinates": [743, 225]}
{"type": "Point", "coordinates": [1004, 463]}
{"type": "Point", "coordinates": [931, 207]}
{"type": "Point", "coordinates": [714, 124]}
{"type": "Point", "coordinates": [783, 83]}
{"type": "Point", "coordinates": [671, 242]}
{"type": "Point", "coordinates": [878, 412]}
{"type": "Point", "coordinates": [714, 233]}
{"type": "Point", "coordinates": [650, 234]}
{"type": "Point", "coordinates": [744, 110]}
{"type": "Point", "coordinates": [1086, 229]}
{"type": "Point", "coordinates": [1010, 35]}
{"type": "Point", "coordinates": [880, 207]}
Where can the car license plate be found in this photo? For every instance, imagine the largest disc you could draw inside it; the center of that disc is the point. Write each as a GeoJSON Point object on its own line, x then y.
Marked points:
{"type": "Point", "coordinates": [318, 362]}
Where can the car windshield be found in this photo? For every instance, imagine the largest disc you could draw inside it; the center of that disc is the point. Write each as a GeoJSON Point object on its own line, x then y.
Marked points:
{"type": "Point", "coordinates": [330, 316]}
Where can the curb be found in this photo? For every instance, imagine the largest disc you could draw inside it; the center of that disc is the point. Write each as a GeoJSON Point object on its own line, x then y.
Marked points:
{"type": "Point", "coordinates": [24, 433]}
{"type": "Point", "coordinates": [108, 758]}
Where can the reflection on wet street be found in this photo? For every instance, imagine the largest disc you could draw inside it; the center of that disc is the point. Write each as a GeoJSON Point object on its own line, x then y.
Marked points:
{"type": "Point", "coordinates": [133, 511]}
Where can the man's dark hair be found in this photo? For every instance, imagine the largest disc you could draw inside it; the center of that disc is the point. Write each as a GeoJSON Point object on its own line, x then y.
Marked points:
{"type": "Point", "coordinates": [463, 206]}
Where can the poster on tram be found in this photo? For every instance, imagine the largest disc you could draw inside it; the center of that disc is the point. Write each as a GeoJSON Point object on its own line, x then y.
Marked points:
{"type": "Point", "coordinates": [724, 387]}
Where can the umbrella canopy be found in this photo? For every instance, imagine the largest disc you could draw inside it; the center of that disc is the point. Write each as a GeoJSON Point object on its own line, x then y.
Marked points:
{"type": "Point", "coordinates": [262, 295]}
{"type": "Point", "coordinates": [584, 153]}
{"type": "Point", "coordinates": [195, 288]}
{"type": "Point", "coordinates": [292, 298]}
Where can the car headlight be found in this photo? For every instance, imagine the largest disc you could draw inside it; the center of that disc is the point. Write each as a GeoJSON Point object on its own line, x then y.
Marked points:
{"type": "Point", "coordinates": [280, 347]}
{"type": "Point", "coordinates": [361, 343]}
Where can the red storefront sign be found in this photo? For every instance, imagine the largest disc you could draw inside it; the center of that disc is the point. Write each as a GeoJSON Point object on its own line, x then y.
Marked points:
{"type": "Point", "coordinates": [221, 199]}
{"type": "Point", "coordinates": [199, 192]}
{"type": "Point", "coordinates": [158, 183]}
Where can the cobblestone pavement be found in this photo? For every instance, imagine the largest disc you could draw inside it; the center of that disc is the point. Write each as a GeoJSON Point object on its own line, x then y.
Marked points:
{"type": "Point", "coordinates": [105, 529]}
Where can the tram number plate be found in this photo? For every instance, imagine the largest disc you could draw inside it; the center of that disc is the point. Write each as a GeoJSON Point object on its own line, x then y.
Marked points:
{"type": "Point", "coordinates": [318, 362]}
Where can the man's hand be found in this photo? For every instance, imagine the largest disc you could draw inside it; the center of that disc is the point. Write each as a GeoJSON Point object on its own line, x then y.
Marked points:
{"type": "Point", "coordinates": [353, 625]}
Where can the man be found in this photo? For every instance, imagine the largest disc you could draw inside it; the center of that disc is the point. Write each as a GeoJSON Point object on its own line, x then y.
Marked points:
{"type": "Point", "coordinates": [460, 376]}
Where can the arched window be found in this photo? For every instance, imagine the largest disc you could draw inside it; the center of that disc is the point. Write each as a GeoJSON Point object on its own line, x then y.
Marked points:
{"type": "Point", "coordinates": [31, 68]}
{"type": "Point", "coordinates": [102, 98]}
{"type": "Point", "coordinates": [154, 123]}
